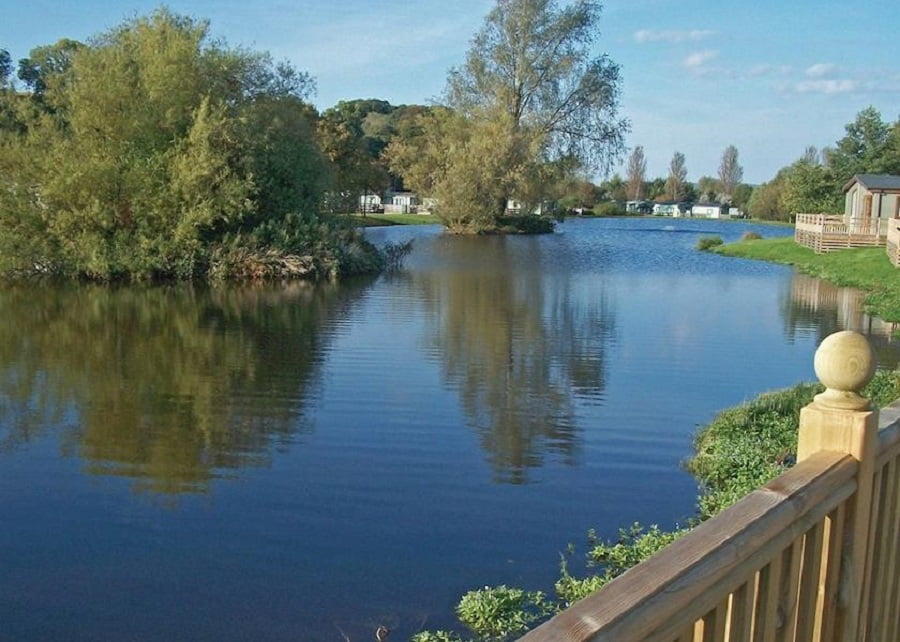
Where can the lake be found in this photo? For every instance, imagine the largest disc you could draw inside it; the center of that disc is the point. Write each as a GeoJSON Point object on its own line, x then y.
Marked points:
{"type": "Point", "coordinates": [292, 462]}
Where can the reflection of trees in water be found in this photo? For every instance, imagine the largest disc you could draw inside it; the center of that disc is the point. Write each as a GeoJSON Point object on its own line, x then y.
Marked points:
{"type": "Point", "coordinates": [172, 386]}
{"type": "Point", "coordinates": [822, 308]}
{"type": "Point", "coordinates": [519, 347]}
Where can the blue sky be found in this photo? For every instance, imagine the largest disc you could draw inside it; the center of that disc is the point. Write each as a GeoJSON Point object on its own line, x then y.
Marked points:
{"type": "Point", "coordinates": [770, 77]}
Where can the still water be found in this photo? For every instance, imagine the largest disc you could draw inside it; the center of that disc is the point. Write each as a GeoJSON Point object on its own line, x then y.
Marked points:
{"type": "Point", "coordinates": [308, 463]}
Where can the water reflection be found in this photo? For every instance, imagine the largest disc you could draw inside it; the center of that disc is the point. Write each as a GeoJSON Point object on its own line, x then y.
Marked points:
{"type": "Point", "coordinates": [821, 308]}
{"type": "Point", "coordinates": [519, 346]}
{"type": "Point", "coordinates": [171, 386]}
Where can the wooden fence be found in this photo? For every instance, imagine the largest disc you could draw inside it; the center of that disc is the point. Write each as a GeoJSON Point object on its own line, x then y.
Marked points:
{"type": "Point", "coordinates": [825, 233]}
{"type": "Point", "coordinates": [812, 556]}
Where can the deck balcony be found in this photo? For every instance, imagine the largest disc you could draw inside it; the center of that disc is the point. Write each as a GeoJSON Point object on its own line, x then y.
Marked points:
{"type": "Point", "coordinates": [825, 233]}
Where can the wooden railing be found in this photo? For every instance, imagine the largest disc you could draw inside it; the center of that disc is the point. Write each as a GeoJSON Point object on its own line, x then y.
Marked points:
{"type": "Point", "coordinates": [812, 556]}
{"type": "Point", "coordinates": [893, 241]}
{"type": "Point", "coordinates": [825, 232]}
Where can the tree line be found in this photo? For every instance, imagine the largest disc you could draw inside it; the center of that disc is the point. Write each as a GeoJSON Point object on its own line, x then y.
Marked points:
{"type": "Point", "coordinates": [814, 182]}
{"type": "Point", "coordinates": [153, 151]}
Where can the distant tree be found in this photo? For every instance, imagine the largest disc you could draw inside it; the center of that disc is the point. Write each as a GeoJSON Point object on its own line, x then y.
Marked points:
{"type": "Point", "coordinates": [708, 188]}
{"type": "Point", "coordinates": [730, 171]}
{"type": "Point", "coordinates": [615, 189]}
{"type": "Point", "coordinates": [47, 62]}
{"type": "Point", "coordinates": [811, 189]}
{"type": "Point", "coordinates": [656, 189]}
{"type": "Point", "coordinates": [741, 195]}
{"type": "Point", "coordinates": [811, 155]}
{"type": "Point", "coordinates": [6, 68]}
{"type": "Point", "coordinates": [767, 200]}
{"type": "Point", "coordinates": [863, 146]}
{"type": "Point", "coordinates": [677, 177]}
{"type": "Point", "coordinates": [636, 173]}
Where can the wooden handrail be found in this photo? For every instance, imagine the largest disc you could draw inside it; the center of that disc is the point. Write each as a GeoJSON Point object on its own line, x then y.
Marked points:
{"type": "Point", "coordinates": [659, 598]}
{"type": "Point", "coordinates": [813, 555]}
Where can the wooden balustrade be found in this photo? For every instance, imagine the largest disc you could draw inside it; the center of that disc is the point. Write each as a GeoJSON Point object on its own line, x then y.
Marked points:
{"type": "Point", "coordinates": [825, 233]}
{"type": "Point", "coordinates": [812, 556]}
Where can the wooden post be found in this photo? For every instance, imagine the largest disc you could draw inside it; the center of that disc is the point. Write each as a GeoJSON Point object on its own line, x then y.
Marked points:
{"type": "Point", "coordinates": [840, 420]}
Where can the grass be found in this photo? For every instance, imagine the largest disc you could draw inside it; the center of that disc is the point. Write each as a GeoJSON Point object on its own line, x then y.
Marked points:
{"type": "Point", "coordinates": [867, 269]}
{"type": "Point", "coordinates": [381, 220]}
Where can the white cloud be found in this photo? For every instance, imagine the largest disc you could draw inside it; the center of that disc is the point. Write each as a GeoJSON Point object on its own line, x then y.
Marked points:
{"type": "Point", "coordinates": [699, 58]}
{"type": "Point", "coordinates": [826, 86]}
{"type": "Point", "coordinates": [821, 69]}
{"type": "Point", "coordinates": [768, 70]}
{"type": "Point", "coordinates": [672, 35]}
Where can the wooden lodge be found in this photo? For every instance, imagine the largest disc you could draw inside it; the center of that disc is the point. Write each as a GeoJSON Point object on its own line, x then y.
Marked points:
{"type": "Point", "coordinates": [871, 203]}
{"type": "Point", "coordinates": [814, 556]}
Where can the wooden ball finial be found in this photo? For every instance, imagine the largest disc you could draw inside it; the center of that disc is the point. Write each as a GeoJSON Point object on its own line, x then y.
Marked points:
{"type": "Point", "coordinates": [844, 363]}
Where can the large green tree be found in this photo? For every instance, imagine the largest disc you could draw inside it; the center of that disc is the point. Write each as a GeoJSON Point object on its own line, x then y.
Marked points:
{"type": "Point", "coordinates": [157, 152]}
{"type": "Point", "coordinates": [531, 89]}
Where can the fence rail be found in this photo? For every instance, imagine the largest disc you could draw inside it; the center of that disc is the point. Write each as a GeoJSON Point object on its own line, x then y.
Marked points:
{"type": "Point", "coordinates": [826, 233]}
{"type": "Point", "coordinates": [812, 556]}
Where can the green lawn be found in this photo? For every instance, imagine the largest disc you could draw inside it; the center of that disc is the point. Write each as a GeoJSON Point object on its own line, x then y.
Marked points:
{"type": "Point", "coordinates": [866, 269]}
{"type": "Point", "coordinates": [379, 220]}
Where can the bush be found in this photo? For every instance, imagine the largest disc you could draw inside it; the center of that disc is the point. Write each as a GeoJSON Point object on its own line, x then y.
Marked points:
{"type": "Point", "coordinates": [525, 224]}
{"type": "Point", "coordinates": [608, 208]}
{"type": "Point", "coordinates": [708, 242]}
{"type": "Point", "coordinates": [750, 236]}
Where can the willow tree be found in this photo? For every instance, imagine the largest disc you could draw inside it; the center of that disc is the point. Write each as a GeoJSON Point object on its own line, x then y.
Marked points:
{"type": "Point", "coordinates": [533, 74]}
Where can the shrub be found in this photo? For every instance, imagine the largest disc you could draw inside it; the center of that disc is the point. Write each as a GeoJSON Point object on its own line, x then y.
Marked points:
{"type": "Point", "coordinates": [608, 208]}
{"type": "Point", "coordinates": [496, 613]}
{"type": "Point", "coordinates": [708, 242]}
{"type": "Point", "coordinates": [750, 236]}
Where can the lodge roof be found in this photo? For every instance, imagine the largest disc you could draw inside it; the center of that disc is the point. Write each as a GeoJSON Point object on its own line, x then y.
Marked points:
{"type": "Point", "coordinates": [875, 182]}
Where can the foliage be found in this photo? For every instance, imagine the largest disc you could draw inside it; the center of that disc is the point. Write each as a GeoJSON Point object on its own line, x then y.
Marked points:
{"type": "Point", "coordinates": [730, 171]}
{"type": "Point", "coordinates": [636, 173]}
{"type": "Point", "coordinates": [767, 200]}
{"type": "Point", "coordinates": [750, 236]}
{"type": "Point", "coordinates": [529, 107]}
{"type": "Point", "coordinates": [746, 446]}
{"type": "Point", "coordinates": [814, 183]}
{"type": "Point", "coordinates": [380, 220]}
{"type": "Point", "coordinates": [865, 147]}
{"type": "Point", "coordinates": [709, 242]}
{"type": "Point", "coordinates": [741, 196]}
{"type": "Point", "coordinates": [533, 60]}
{"type": "Point", "coordinates": [867, 269]}
{"type": "Point", "coordinates": [811, 188]}
{"type": "Point", "coordinates": [677, 177]}
{"type": "Point", "coordinates": [608, 208]}
{"type": "Point", "coordinates": [708, 188]}
{"type": "Point", "coordinates": [525, 224]}
{"type": "Point", "coordinates": [154, 152]}
{"type": "Point", "coordinates": [470, 165]}
{"type": "Point", "coordinates": [497, 613]}
{"type": "Point", "coordinates": [435, 636]}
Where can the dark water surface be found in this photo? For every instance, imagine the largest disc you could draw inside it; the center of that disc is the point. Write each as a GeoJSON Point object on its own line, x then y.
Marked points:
{"type": "Point", "coordinates": [300, 463]}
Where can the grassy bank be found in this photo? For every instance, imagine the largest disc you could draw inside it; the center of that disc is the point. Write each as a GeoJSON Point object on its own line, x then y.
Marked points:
{"type": "Point", "coordinates": [381, 220]}
{"type": "Point", "coordinates": [866, 269]}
